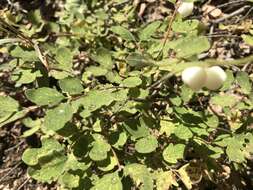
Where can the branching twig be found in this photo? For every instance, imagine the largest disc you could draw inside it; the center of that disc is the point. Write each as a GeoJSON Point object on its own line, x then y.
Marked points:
{"type": "Point", "coordinates": [42, 57]}
{"type": "Point", "coordinates": [237, 12]}
{"type": "Point", "coordinates": [10, 29]}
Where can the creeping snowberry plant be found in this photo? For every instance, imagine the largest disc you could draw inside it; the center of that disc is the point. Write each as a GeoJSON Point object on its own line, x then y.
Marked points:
{"type": "Point", "coordinates": [116, 106]}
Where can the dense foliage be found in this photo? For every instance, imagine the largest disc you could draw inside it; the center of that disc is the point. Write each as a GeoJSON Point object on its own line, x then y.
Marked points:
{"type": "Point", "coordinates": [102, 90]}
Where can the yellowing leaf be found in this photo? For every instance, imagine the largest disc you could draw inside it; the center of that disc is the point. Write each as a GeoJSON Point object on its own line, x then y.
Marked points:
{"type": "Point", "coordinates": [191, 174]}
{"type": "Point", "coordinates": [164, 180]}
{"type": "Point", "coordinates": [173, 152]}
{"type": "Point", "coordinates": [141, 176]}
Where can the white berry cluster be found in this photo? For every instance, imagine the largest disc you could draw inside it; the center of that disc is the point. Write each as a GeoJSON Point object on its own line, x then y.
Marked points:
{"type": "Point", "coordinates": [198, 77]}
{"type": "Point", "coordinates": [185, 8]}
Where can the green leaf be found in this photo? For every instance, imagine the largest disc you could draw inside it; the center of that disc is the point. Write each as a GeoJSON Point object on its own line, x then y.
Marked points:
{"type": "Point", "coordinates": [123, 33]}
{"type": "Point", "coordinates": [192, 45]}
{"type": "Point", "coordinates": [8, 105]}
{"type": "Point", "coordinates": [132, 82]}
{"type": "Point", "coordinates": [118, 139]}
{"type": "Point", "coordinates": [176, 100]}
{"type": "Point", "coordinates": [235, 146]}
{"type": "Point", "coordinates": [99, 150]}
{"type": "Point", "coordinates": [97, 71]}
{"type": "Point", "coordinates": [64, 57]}
{"type": "Point", "coordinates": [31, 156]}
{"type": "Point", "coordinates": [140, 175]}
{"type": "Point", "coordinates": [139, 60]}
{"type": "Point", "coordinates": [248, 150]}
{"type": "Point", "coordinates": [71, 86]}
{"type": "Point", "coordinates": [114, 77]}
{"type": "Point", "coordinates": [120, 95]}
{"type": "Point", "coordinates": [69, 180]}
{"type": "Point", "coordinates": [167, 127]}
{"type": "Point", "coordinates": [73, 164]}
{"type": "Point", "coordinates": [186, 26]}
{"type": "Point", "coordinates": [173, 152]}
{"type": "Point", "coordinates": [94, 100]}
{"type": "Point", "coordinates": [135, 129]}
{"type": "Point", "coordinates": [215, 152]}
{"type": "Point", "coordinates": [248, 39]}
{"type": "Point", "coordinates": [229, 81]}
{"type": "Point", "coordinates": [50, 167]}
{"type": "Point", "coordinates": [104, 58]}
{"type": "Point", "coordinates": [164, 180]}
{"type": "Point", "coordinates": [183, 132]}
{"type": "Point", "coordinates": [59, 74]}
{"type": "Point", "coordinates": [146, 145]}
{"type": "Point", "coordinates": [31, 131]}
{"type": "Point", "coordinates": [25, 76]}
{"type": "Point", "coordinates": [185, 176]}
{"type": "Point", "coordinates": [244, 82]}
{"type": "Point", "coordinates": [13, 117]}
{"type": "Point", "coordinates": [224, 100]}
{"type": "Point", "coordinates": [108, 164]}
{"type": "Point", "coordinates": [235, 150]}
{"type": "Point", "coordinates": [56, 118]}
{"type": "Point", "coordinates": [149, 30]}
{"type": "Point", "coordinates": [186, 93]}
{"type": "Point", "coordinates": [25, 55]}
{"type": "Point", "coordinates": [212, 121]}
{"type": "Point", "coordinates": [44, 96]}
{"type": "Point", "coordinates": [109, 182]}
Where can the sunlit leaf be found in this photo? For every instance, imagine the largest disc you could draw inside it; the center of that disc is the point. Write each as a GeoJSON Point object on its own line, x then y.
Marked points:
{"type": "Point", "coordinates": [140, 175]}
{"type": "Point", "coordinates": [108, 181]}
{"type": "Point", "coordinates": [56, 118]}
{"type": "Point", "coordinates": [146, 145]}
{"type": "Point", "coordinates": [71, 86]}
{"type": "Point", "coordinates": [44, 96]}
{"type": "Point", "coordinates": [173, 152]}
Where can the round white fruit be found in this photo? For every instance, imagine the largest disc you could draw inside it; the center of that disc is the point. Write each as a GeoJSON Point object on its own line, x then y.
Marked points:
{"type": "Point", "coordinates": [185, 8]}
{"type": "Point", "coordinates": [194, 77]}
{"type": "Point", "coordinates": [215, 77]}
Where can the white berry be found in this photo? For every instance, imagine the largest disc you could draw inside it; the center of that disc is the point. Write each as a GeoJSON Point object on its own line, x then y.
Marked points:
{"type": "Point", "coordinates": [194, 77]}
{"type": "Point", "coordinates": [215, 77]}
{"type": "Point", "coordinates": [185, 8]}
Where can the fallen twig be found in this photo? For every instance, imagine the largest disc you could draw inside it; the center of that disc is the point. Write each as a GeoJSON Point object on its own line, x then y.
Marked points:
{"type": "Point", "coordinates": [237, 12]}
{"type": "Point", "coordinates": [9, 172]}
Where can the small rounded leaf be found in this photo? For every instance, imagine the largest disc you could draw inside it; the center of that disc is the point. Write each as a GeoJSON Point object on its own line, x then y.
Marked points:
{"type": "Point", "coordinates": [173, 152]}
{"type": "Point", "coordinates": [215, 77]}
{"type": "Point", "coordinates": [44, 96]}
{"type": "Point", "coordinates": [194, 77]}
{"type": "Point", "coordinates": [146, 144]}
{"type": "Point", "coordinates": [132, 82]}
{"type": "Point", "coordinates": [71, 86]}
